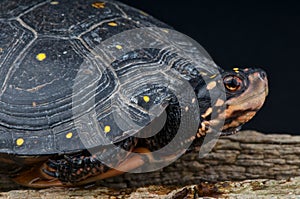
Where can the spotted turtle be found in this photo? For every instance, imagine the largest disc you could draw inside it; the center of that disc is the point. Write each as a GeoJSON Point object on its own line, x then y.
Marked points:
{"type": "Point", "coordinates": [49, 47]}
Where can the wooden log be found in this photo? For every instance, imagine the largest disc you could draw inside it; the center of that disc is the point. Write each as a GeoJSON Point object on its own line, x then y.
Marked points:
{"type": "Point", "coordinates": [264, 188]}
{"type": "Point", "coordinates": [246, 157]}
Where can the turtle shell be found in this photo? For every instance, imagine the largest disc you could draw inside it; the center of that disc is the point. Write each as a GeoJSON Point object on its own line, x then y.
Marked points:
{"type": "Point", "coordinates": [44, 47]}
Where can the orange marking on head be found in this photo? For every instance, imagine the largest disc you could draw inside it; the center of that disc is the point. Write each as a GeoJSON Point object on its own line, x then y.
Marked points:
{"type": "Point", "coordinates": [211, 85]}
{"type": "Point", "coordinates": [207, 113]}
{"type": "Point", "coordinates": [220, 102]}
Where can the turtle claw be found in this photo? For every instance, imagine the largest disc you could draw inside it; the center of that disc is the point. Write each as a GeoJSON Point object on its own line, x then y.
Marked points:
{"type": "Point", "coordinates": [52, 164]}
{"type": "Point", "coordinates": [68, 158]}
{"type": "Point", "coordinates": [51, 173]}
{"type": "Point", "coordinates": [72, 169]}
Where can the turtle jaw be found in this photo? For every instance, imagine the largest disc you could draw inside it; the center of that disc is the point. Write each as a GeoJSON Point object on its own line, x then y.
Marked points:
{"type": "Point", "coordinates": [243, 107]}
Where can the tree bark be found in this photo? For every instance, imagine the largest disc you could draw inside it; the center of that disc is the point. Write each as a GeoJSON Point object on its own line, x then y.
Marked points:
{"type": "Point", "coordinates": [248, 155]}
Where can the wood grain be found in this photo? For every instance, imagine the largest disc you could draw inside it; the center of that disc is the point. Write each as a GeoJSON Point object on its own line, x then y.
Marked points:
{"type": "Point", "coordinates": [259, 162]}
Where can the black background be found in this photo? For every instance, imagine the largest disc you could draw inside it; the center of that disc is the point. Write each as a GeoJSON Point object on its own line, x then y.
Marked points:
{"type": "Point", "coordinates": [246, 34]}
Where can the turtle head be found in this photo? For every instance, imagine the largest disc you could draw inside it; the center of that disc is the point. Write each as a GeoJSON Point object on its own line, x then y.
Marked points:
{"type": "Point", "coordinates": [246, 91]}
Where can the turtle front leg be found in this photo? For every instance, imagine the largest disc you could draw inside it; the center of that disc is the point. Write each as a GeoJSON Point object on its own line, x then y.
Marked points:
{"type": "Point", "coordinates": [73, 169]}
{"type": "Point", "coordinates": [65, 171]}
{"type": "Point", "coordinates": [81, 170]}
{"type": "Point", "coordinates": [77, 170]}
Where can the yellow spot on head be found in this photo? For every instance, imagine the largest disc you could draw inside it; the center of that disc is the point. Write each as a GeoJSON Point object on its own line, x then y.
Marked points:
{"type": "Point", "coordinates": [54, 2]}
{"type": "Point", "coordinates": [119, 47]}
{"type": "Point", "coordinates": [107, 129]}
{"type": "Point", "coordinates": [1, 50]}
{"type": "Point", "coordinates": [113, 24]}
{"type": "Point", "coordinates": [98, 5]}
{"type": "Point", "coordinates": [41, 56]}
{"type": "Point", "coordinates": [211, 85]}
{"type": "Point", "coordinates": [20, 141]}
{"type": "Point", "coordinates": [69, 135]}
{"type": "Point", "coordinates": [146, 98]}
{"type": "Point", "coordinates": [207, 113]}
{"type": "Point", "coordinates": [219, 102]}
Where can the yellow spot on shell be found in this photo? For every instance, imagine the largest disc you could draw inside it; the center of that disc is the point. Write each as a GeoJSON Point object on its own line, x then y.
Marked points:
{"type": "Point", "coordinates": [98, 5]}
{"type": "Point", "coordinates": [34, 104]}
{"type": "Point", "coordinates": [193, 100]}
{"type": "Point", "coordinates": [107, 129]}
{"type": "Point", "coordinates": [54, 2]}
{"type": "Point", "coordinates": [113, 24]}
{"type": "Point", "coordinates": [146, 98]}
{"type": "Point", "coordinates": [203, 73]}
{"type": "Point", "coordinates": [119, 47]}
{"type": "Point", "coordinates": [236, 70]}
{"type": "Point", "coordinates": [69, 135]}
{"type": "Point", "coordinates": [41, 56]}
{"type": "Point", "coordinates": [213, 76]}
{"type": "Point", "coordinates": [20, 141]}
{"type": "Point", "coordinates": [187, 109]}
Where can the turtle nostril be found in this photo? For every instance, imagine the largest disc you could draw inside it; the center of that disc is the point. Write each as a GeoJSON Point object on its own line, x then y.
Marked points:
{"type": "Point", "coordinates": [263, 75]}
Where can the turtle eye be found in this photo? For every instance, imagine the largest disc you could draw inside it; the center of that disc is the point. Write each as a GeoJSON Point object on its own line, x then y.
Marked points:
{"type": "Point", "coordinates": [233, 83]}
